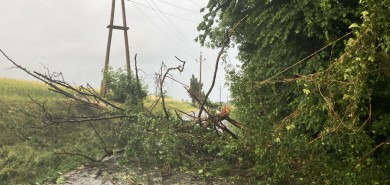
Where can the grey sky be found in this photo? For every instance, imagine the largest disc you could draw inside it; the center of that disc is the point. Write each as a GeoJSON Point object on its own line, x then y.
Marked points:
{"type": "Point", "coordinates": [70, 36]}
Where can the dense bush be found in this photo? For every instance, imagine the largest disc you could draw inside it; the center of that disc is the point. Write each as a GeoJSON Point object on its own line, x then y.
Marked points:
{"type": "Point", "coordinates": [324, 119]}
{"type": "Point", "coordinates": [122, 87]}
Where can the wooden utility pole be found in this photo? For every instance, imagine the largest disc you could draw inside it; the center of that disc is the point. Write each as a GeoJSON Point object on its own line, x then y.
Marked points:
{"type": "Point", "coordinates": [200, 76]}
{"type": "Point", "coordinates": [220, 94]}
{"type": "Point", "coordinates": [227, 100]}
{"type": "Point", "coordinates": [103, 87]}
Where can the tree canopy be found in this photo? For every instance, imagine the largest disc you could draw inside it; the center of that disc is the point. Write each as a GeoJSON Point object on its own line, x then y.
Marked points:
{"type": "Point", "coordinates": [312, 90]}
{"type": "Point", "coordinates": [194, 89]}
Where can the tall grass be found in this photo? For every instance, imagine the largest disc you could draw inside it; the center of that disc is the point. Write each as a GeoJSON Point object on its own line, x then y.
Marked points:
{"type": "Point", "coordinates": [27, 144]}
{"type": "Point", "coordinates": [11, 89]}
{"type": "Point", "coordinates": [171, 104]}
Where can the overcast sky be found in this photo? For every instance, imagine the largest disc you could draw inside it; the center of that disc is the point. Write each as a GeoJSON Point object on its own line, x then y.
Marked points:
{"type": "Point", "coordinates": [70, 36]}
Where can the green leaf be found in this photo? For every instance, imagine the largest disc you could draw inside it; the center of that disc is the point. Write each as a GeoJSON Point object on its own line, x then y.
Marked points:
{"type": "Point", "coordinates": [351, 41]}
{"type": "Point", "coordinates": [346, 96]}
{"type": "Point", "coordinates": [306, 91]}
{"type": "Point", "coordinates": [371, 58]}
{"type": "Point", "coordinates": [289, 127]}
{"type": "Point", "coordinates": [354, 25]}
{"type": "Point", "coordinates": [365, 13]}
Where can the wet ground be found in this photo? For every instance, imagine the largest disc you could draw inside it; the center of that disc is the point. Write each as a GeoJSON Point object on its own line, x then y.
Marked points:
{"type": "Point", "coordinates": [109, 172]}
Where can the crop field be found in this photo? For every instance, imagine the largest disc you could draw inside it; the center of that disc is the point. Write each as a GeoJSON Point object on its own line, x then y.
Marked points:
{"type": "Point", "coordinates": [13, 89]}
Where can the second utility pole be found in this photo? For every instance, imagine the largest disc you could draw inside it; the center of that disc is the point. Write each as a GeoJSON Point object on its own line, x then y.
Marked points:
{"type": "Point", "coordinates": [200, 76]}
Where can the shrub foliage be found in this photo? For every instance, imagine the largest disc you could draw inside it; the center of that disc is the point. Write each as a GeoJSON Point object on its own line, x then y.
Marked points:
{"type": "Point", "coordinates": [312, 91]}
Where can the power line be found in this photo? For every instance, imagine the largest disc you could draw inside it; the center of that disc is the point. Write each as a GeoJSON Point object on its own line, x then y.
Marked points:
{"type": "Point", "coordinates": [173, 15]}
{"type": "Point", "coordinates": [180, 7]}
{"type": "Point", "coordinates": [188, 47]}
{"type": "Point", "coordinates": [172, 27]}
{"type": "Point", "coordinates": [167, 35]}
{"type": "Point", "coordinates": [200, 6]}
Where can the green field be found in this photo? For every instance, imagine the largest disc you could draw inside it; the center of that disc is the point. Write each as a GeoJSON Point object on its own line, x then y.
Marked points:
{"type": "Point", "coordinates": [13, 89]}
{"type": "Point", "coordinates": [171, 105]}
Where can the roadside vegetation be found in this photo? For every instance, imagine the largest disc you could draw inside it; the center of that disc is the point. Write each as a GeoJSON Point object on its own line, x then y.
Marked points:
{"type": "Point", "coordinates": [312, 90]}
{"type": "Point", "coordinates": [27, 146]}
{"type": "Point", "coordinates": [311, 99]}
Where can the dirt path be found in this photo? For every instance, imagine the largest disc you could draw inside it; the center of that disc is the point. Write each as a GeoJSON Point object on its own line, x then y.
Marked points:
{"type": "Point", "coordinates": [110, 173]}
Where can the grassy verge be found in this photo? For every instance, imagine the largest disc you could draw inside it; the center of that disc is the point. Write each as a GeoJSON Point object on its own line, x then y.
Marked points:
{"type": "Point", "coordinates": [28, 146]}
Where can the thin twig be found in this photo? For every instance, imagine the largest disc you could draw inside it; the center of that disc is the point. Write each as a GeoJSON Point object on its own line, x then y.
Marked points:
{"type": "Point", "coordinates": [138, 83]}
{"type": "Point", "coordinates": [369, 116]}
{"type": "Point", "coordinates": [20, 67]}
{"type": "Point", "coordinates": [90, 119]}
{"type": "Point", "coordinates": [180, 68]}
{"type": "Point", "coordinates": [308, 57]}
{"type": "Point", "coordinates": [107, 152]}
{"type": "Point", "coordinates": [76, 154]}
{"type": "Point", "coordinates": [181, 83]}
{"type": "Point", "coordinates": [154, 104]}
{"type": "Point", "coordinates": [373, 150]}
